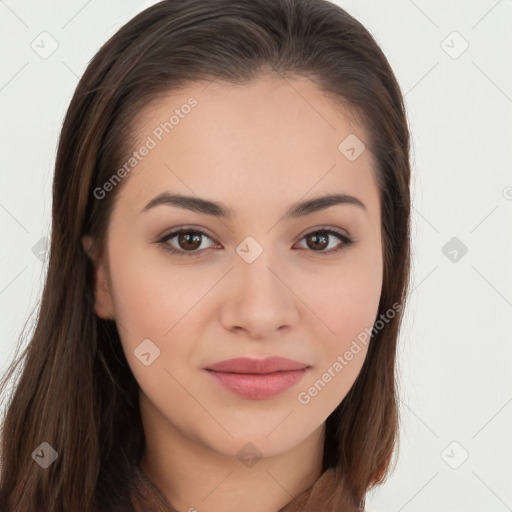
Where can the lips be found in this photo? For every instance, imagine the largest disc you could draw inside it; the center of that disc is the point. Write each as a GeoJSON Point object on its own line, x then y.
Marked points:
{"type": "Point", "coordinates": [257, 378]}
{"type": "Point", "coordinates": [257, 366]}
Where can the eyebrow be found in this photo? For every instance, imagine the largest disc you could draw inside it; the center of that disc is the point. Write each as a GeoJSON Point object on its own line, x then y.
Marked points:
{"type": "Point", "coordinates": [217, 209]}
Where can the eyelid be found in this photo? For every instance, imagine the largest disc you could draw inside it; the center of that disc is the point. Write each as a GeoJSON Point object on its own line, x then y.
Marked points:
{"type": "Point", "coordinates": [339, 231]}
{"type": "Point", "coordinates": [186, 228]}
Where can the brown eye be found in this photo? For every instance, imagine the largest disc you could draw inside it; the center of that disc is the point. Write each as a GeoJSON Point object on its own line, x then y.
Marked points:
{"type": "Point", "coordinates": [189, 242]}
{"type": "Point", "coordinates": [319, 241]}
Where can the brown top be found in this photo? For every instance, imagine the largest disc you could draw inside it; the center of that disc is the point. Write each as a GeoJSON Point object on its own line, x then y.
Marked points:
{"type": "Point", "coordinates": [146, 497]}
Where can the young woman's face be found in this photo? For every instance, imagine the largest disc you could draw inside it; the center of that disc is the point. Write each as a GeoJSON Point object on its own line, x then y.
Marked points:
{"type": "Point", "coordinates": [260, 282]}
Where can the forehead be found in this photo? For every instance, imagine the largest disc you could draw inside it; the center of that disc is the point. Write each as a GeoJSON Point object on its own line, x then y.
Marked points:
{"type": "Point", "coordinates": [278, 110]}
{"type": "Point", "coordinates": [272, 137]}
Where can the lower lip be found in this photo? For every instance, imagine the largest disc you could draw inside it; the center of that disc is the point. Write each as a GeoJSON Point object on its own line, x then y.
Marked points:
{"type": "Point", "coordinates": [258, 386]}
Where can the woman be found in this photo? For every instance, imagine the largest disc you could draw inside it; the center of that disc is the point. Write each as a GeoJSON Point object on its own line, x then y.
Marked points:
{"type": "Point", "coordinates": [228, 270]}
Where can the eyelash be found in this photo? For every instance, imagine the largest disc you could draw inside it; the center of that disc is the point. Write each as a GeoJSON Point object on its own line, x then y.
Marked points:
{"type": "Point", "coordinates": [345, 242]}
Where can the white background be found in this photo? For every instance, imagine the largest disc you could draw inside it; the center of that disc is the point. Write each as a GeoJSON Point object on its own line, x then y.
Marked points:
{"type": "Point", "coordinates": [455, 350]}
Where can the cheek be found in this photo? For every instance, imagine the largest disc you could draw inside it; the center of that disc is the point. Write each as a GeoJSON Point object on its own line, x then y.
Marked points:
{"type": "Point", "coordinates": [347, 305]}
{"type": "Point", "coordinates": [346, 300]}
{"type": "Point", "coordinates": [150, 297]}
{"type": "Point", "coordinates": [153, 302]}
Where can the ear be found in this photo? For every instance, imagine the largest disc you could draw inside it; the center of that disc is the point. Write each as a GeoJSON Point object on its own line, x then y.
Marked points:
{"type": "Point", "coordinates": [103, 304]}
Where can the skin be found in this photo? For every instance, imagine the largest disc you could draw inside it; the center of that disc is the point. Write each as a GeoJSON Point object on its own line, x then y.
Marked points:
{"type": "Point", "coordinates": [257, 148]}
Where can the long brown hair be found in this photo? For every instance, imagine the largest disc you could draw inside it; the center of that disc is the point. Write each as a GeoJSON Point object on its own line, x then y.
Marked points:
{"type": "Point", "coordinates": [76, 391]}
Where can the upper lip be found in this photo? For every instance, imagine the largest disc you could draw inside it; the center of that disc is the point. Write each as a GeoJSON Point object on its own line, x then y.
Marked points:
{"type": "Point", "coordinates": [247, 365]}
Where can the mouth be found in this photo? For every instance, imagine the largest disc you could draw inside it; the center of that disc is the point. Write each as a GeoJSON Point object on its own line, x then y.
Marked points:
{"type": "Point", "coordinates": [257, 379]}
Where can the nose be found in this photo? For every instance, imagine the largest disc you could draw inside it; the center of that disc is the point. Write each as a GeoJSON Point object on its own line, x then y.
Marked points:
{"type": "Point", "coordinates": [260, 303]}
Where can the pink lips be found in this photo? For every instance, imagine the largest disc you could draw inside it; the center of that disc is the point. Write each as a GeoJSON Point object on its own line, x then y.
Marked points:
{"type": "Point", "coordinates": [257, 378]}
